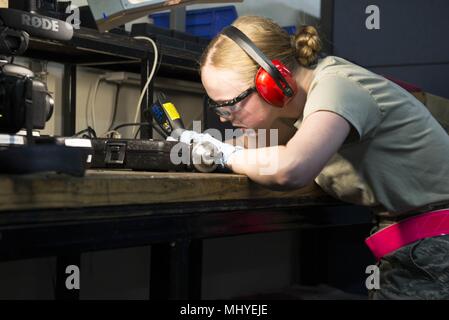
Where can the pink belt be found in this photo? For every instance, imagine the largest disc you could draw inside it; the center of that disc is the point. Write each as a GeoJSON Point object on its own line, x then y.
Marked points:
{"type": "Point", "coordinates": [398, 235]}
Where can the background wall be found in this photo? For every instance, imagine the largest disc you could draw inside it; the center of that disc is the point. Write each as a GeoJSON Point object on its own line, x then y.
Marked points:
{"type": "Point", "coordinates": [411, 44]}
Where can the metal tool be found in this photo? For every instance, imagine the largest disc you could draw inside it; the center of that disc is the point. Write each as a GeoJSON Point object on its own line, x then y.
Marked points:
{"type": "Point", "coordinates": [203, 157]}
{"type": "Point", "coordinates": [169, 120]}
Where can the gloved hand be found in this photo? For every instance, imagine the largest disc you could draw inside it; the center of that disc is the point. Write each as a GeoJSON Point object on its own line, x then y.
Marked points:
{"type": "Point", "coordinates": [222, 151]}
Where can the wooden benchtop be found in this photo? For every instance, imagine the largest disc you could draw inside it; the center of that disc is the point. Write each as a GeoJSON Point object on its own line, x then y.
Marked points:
{"type": "Point", "coordinates": [113, 188]}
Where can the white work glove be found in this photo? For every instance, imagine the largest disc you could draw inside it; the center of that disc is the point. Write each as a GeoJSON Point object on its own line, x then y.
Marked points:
{"type": "Point", "coordinates": [223, 151]}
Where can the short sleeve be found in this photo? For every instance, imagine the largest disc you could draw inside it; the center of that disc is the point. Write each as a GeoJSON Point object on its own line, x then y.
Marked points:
{"type": "Point", "coordinates": [347, 98]}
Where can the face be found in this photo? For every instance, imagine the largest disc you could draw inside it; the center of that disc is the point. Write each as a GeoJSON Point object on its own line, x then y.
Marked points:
{"type": "Point", "coordinates": [223, 85]}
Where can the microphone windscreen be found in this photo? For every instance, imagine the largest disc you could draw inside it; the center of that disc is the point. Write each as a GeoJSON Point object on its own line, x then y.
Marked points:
{"type": "Point", "coordinates": [37, 25]}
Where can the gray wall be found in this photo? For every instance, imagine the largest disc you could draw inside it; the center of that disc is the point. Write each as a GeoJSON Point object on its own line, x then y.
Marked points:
{"type": "Point", "coordinates": [411, 44]}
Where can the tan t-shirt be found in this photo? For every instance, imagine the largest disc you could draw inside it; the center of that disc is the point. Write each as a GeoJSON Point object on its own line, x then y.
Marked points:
{"type": "Point", "coordinates": [398, 157]}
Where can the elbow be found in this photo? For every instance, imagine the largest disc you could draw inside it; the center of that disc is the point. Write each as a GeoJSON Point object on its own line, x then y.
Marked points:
{"type": "Point", "coordinates": [288, 179]}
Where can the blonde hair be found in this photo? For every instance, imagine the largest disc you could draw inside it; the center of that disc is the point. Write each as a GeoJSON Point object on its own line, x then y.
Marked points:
{"type": "Point", "coordinates": [299, 50]}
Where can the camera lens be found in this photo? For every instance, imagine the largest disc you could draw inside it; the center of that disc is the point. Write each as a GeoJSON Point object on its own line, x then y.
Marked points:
{"type": "Point", "coordinates": [49, 106]}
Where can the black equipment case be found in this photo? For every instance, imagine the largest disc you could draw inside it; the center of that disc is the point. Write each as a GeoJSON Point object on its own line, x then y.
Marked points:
{"type": "Point", "coordinates": [141, 155]}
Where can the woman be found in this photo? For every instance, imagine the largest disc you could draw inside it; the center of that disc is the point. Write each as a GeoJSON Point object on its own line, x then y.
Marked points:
{"type": "Point", "coordinates": [362, 138]}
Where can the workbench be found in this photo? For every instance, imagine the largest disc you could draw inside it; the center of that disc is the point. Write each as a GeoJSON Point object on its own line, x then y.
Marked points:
{"type": "Point", "coordinates": [63, 216]}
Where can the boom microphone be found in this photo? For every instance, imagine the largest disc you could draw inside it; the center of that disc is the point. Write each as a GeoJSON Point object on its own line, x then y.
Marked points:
{"type": "Point", "coordinates": [36, 24]}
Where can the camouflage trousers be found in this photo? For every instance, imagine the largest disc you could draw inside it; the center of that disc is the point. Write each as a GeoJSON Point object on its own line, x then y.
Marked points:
{"type": "Point", "coordinates": [417, 271]}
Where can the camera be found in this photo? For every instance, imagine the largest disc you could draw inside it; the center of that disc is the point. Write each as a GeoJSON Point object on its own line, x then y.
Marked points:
{"type": "Point", "coordinates": [22, 96]}
{"type": "Point", "coordinates": [24, 100]}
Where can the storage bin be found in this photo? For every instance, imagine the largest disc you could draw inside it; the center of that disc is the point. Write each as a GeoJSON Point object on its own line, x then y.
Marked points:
{"type": "Point", "coordinates": [206, 23]}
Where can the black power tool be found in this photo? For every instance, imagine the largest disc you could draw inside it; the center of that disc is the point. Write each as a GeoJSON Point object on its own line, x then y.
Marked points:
{"type": "Point", "coordinates": [166, 116]}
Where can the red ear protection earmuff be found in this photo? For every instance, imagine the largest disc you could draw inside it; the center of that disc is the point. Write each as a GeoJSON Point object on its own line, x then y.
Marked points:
{"type": "Point", "coordinates": [269, 90]}
{"type": "Point", "coordinates": [274, 81]}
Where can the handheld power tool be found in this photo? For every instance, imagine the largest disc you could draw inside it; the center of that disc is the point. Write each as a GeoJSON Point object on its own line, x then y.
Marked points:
{"type": "Point", "coordinates": [166, 116]}
{"type": "Point", "coordinates": [169, 121]}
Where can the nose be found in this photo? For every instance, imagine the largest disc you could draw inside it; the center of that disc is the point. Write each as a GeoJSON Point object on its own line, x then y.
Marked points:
{"type": "Point", "coordinates": [224, 119]}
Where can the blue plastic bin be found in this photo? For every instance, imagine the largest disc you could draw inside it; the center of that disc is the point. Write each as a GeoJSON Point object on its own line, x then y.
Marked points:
{"type": "Point", "coordinates": [206, 23]}
{"type": "Point", "coordinates": [291, 30]}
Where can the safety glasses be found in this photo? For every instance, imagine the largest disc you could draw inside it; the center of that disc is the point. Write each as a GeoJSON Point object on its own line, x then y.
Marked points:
{"type": "Point", "coordinates": [226, 108]}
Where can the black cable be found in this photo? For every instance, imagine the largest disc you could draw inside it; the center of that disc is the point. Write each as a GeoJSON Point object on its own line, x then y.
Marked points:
{"type": "Point", "coordinates": [90, 133]}
{"type": "Point", "coordinates": [159, 63]}
{"type": "Point", "coordinates": [155, 127]}
{"type": "Point", "coordinates": [159, 130]}
{"type": "Point", "coordinates": [114, 115]}
{"type": "Point", "coordinates": [137, 132]}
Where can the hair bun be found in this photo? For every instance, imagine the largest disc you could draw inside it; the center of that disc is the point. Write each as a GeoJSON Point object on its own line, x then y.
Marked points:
{"type": "Point", "coordinates": [308, 45]}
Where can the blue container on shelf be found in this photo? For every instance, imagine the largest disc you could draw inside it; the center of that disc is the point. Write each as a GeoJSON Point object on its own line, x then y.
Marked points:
{"type": "Point", "coordinates": [291, 30]}
{"type": "Point", "coordinates": [206, 23]}
{"type": "Point", "coordinates": [161, 20]}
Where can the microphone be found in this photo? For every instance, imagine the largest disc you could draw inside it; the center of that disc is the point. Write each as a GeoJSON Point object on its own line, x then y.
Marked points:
{"type": "Point", "coordinates": [13, 42]}
{"type": "Point", "coordinates": [36, 24]}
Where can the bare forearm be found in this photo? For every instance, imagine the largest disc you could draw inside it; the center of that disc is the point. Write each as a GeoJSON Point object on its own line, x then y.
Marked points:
{"type": "Point", "coordinates": [265, 166]}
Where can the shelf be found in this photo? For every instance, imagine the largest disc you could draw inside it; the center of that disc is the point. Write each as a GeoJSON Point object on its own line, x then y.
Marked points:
{"type": "Point", "coordinates": [114, 51]}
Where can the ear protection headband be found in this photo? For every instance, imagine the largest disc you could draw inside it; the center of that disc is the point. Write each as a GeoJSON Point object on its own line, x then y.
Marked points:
{"type": "Point", "coordinates": [274, 81]}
